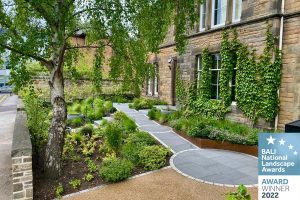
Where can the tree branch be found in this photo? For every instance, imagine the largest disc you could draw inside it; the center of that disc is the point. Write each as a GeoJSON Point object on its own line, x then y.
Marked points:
{"type": "Point", "coordinates": [85, 47]}
{"type": "Point", "coordinates": [38, 58]}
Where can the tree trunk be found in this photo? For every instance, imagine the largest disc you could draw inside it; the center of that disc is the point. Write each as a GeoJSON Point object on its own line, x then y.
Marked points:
{"type": "Point", "coordinates": [57, 129]}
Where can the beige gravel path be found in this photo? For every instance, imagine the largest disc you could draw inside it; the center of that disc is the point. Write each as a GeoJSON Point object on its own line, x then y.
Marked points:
{"type": "Point", "coordinates": [165, 184]}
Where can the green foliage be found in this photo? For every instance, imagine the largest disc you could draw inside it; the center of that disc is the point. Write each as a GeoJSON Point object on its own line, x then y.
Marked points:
{"type": "Point", "coordinates": [141, 137]}
{"type": "Point", "coordinates": [97, 70]}
{"type": "Point", "coordinates": [115, 170]}
{"type": "Point", "coordinates": [92, 167]}
{"type": "Point", "coordinates": [88, 177]}
{"type": "Point", "coordinates": [37, 119]}
{"type": "Point", "coordinates": [146, 103]}
{"type": "Point", "coordinates": [125, 122]}
{"type": "Point", "coordinates": [205, 79]}
{"type": "Point", "coordinates": [154, 113]}
{"type": "Point", "coordinates": [153, 157]}
{"type": "Point", "coordinates": [92, 108]}
{"type": "Point", "coordinates": [221, 130]}
{"type": "Point", "coordinates": [134, 144]}
{"type": "Point", "coordinates": [87, 130]}
{"type": "Point", "coordinates": [114, 133]}
{"type": "Point", "coordinates": [59, 190]}
{"type": "Point", "coordinates": [241, 194]}
{"type": "Point", "coordinates": [75, 183]}
{"type": "Point", "coordinates": [228, 54]}
{"type": "Point", "coordinates": [76, 122]}
{"type": "Point", "coordinates": [258, 80]}
{"type": "Point", "coordinates": [181, 90]}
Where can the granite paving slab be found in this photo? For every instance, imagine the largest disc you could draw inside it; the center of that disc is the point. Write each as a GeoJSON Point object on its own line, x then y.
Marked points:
{"type": "Point", "coordinates": [206, 165]}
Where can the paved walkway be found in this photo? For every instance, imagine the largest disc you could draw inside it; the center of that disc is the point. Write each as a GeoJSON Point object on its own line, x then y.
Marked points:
{"type": "Point", "coordinates": [205, 165]}
{"type": "Point", "coordinates": [8, 110]}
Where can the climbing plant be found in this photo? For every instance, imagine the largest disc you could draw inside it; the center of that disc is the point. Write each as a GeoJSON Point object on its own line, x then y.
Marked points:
{"type": "Point", "coordinates": [205, 78]}
{"type": "Point", "coordinates": [270, 65]}
{"type": "Point", "coordinates": [257, 80]}
{"type": "Point", "coordinates": [247, 89]}
{"type": "Point", "coordinates": [227, 66]}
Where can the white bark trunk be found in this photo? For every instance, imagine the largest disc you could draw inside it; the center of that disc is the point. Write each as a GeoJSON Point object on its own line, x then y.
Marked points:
{"type": "Point", "coordinates": [57, 129]}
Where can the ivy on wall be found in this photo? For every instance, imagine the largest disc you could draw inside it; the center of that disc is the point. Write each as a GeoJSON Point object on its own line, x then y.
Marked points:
{"type": "Point", "coordinates": [247, 88]}
{"type": "Point", "coordinates": [204, 82]}
{"type": "Point", "coordinates": [226, 69]}
{"type": "Point", "coordinates": [257, 81]}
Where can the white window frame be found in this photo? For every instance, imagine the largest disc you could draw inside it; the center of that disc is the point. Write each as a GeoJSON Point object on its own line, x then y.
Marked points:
{"type": "Point", "coordinates": [202, 12]}
{"type": "Point", "coordinates": [213, 14]}
{"type": "Point", "coordinates": [149, 89]}
{"type": "Point", "coordinates": [199, 70]}
{"type": "Point", "coordinates": [156, 80]}
{"type": "Point", "coordinates": [234, 9]}
{"type": "Point", "coordinates": [218, 75]}
{"type": "Point", "coordinates": [230, 84]}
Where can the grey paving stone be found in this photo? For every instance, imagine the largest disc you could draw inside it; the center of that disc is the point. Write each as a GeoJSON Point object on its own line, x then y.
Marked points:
{"type": "Point", "coordinates": [217, 166]}
{"type": "Point", "coordinates": [156, 128]}
{"type": "Point", "coordinates": [217, 169]}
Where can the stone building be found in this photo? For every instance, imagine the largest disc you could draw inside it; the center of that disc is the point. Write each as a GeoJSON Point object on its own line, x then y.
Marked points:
{"type": "Point", "coordinates": [251, 19]}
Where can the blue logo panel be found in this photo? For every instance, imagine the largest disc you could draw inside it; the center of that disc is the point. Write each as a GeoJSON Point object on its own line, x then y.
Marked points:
{"type": "Point", "coordinates": [279, 154]}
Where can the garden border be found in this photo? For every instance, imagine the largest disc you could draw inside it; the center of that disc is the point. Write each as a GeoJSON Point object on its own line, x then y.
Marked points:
{"type": "Point", "coordinates": [107, 184]}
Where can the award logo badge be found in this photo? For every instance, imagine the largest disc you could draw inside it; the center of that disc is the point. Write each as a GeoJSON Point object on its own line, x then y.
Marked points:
{"type": "Point", "coordinates": [279, 166]}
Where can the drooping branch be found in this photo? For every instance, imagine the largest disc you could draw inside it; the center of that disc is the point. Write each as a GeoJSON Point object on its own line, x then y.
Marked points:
{"type": "Point", "coordinates": [37, 58]}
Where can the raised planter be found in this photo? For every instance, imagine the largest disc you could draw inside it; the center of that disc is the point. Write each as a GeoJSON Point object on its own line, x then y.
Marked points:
{"type": "Point", "coordinates": [212, 144]}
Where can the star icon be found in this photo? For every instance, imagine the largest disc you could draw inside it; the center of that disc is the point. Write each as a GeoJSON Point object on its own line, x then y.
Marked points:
{"type": "Point", "coordinates": [291, 147]}
{"type": "Point", "coordinates": [295, 153]}
{"type": "Point", "coordinates": [281, 142]}
{"type": "Point", "coordinates": [271, 140]}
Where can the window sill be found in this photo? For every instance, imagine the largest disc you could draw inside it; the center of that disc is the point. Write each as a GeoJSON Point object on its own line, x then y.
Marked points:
{"type": "Point", "coordinates": [217, 26]}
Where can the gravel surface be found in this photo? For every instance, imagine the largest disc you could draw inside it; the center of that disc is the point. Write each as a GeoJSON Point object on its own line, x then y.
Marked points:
{"type": "Point", "coordinates": [164, 184]}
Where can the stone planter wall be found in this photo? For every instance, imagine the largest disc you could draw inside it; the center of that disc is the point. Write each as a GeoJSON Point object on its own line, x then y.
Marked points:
{"type": "Point", "coordinates": [22, 159]}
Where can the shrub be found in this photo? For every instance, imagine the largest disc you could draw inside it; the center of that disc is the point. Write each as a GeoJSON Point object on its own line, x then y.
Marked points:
{"type": "Point", "coordinates": [76, 108]}
{"type": "Point", "coordinates": [59, 191]}
{"type": "Point", "coordinates": [154, 114]}
{"type": "Point", "coordinates": [163, 118]}
{"type": "Point", "coordinates": [88, 177]}
{"type": "Point", "coordinates": [75, 183]}
{"type": "Point", "coordinates": [77, 137]}
{"type": "Point", "coordinates": [87, 130]}
{"type": "Point", "coordinates": [92, 167]}
{"type": "Point", "coordinates": [98, 103]}
{"type": "Point", "coordinates": [37, 119]}
{"type": "Point", "coordinates": [115, 170]}
{"type": "Point", "coordinates": [76, 122]}
{"type": "Point", "coordinates": [129, 125]}
{"type": "Point", "coordinates": [89, 100]}
{"type": "Point", "coordinates": [119, 116]}
{"type": "Point", "coordinates": [181, 124]}
{"type": "Point", "coordinates": [153, 157]}
{"type": "Point", "coordinates": [199, 130]}
{"type": "Point", "coordinates": [99, 113]}
{"type": "Point", "coordinates": [113, 133]}
{"type": "Point", "coordinates": [141, 137]}
{"type": "Point", "coordinates": [241, 194]}
{"type": "Point", "coordinates": [130, 151]}
{"type": "Point", "coordinates": [108, 105]}
{"type": "Point", "coordinates": [145, 103]}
